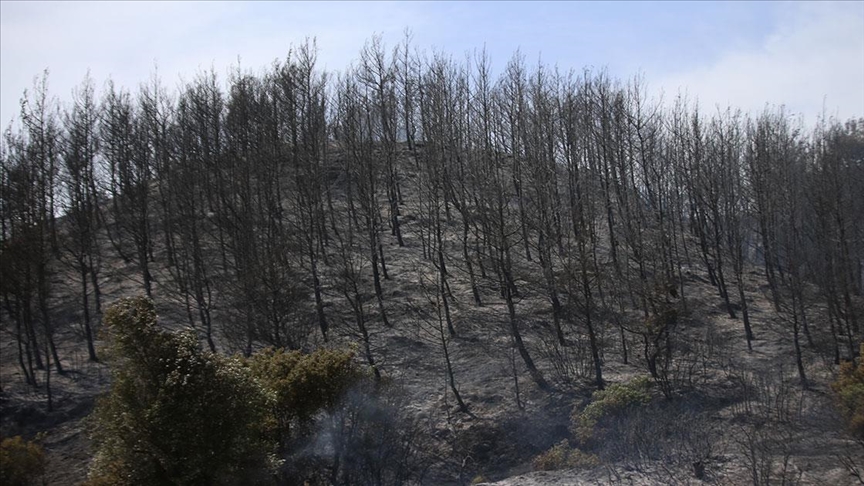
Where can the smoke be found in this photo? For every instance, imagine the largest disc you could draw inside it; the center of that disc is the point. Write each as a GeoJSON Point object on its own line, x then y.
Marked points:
{"type": "Point", "coordinates": [369, 437]}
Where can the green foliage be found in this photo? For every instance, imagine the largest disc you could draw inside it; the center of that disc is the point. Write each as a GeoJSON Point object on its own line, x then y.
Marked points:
{"type": "Point", "coordinates": [303, 384]}
{"type": "Point", "coordinates": [175, 414]}
{"type": "Point", "coordinates": [179, 415]}
{"type": "Point", "coordinates": [611, 401]}
{"type": "Point", "coordinates": [562, 456]}
{"type": "Point", "coordinates": [21, 461]}
{"type": "Point", "coordinates": [479, 479]}
{"type": "Point", "coordinates": [849, 395]}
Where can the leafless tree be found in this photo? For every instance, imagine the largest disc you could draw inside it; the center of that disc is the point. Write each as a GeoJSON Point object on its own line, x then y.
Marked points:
{"type": "Point", "coordinates": [83, 216]}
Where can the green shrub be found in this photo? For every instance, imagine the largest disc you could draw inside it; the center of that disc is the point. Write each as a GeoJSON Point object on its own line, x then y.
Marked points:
{"type": "Point", "coordinates": [303, 384]}
{"type": "Point", "coordinates": [849, 395]}
{"type": "Point", "coordinates": [479, 479]}
{"type": "Point", "coordinates": [562, 456]}
{"type": "Point", "coordinates": [175, 414]}
{"type": "Point", "coordinates": [613, 400]}
{"type": "Point", "coordinates": [21, 461]}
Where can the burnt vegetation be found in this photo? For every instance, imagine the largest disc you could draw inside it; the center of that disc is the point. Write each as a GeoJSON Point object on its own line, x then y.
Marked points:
{"type": "Point", "coordinates": [424, 270]}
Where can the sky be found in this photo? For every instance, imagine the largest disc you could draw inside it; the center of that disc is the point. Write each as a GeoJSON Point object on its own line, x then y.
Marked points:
{"type": "Point", "coordinates": [806, 56]}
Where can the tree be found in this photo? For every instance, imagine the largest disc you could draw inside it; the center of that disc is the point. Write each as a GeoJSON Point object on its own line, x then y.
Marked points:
{"type": "Point", "coordinates": [175, 414]}
{"type": "Point", "coordinates": [187, 198]}
{"type": "Point", "coordinates": [579, 149]}
{"type": "Point", "coordinates": [18, 252]}
{"type": "Point", "coordinates": [541, 183]}
{"type": "Point", "coordinates": [127, 159]}
{"type": "Point", "coordinates": [837, 174]}
{"type": "Point", "coordinates": [30, 186]}
{"type": "Point", "coordinates": [734, 214]}
{"type": "Point", "coordinates": [436, 114]}
{"type": "Point", "coordinates": [377, 78]}
{"type": "Point", "coordinates": [356, 128]}
{"type": "Point", "coordinates": [81, 145]}
{"type": "Point", "coordinates": [777, 163]}
{"type": "Point", "coordinates": [431, 327]}
{"type": "Point", "coordinates": [39, 115]}
{"type": "Point", "coordinates": [499, 179]}
{"type": "Point", "coordinates": [300, 93]}
{"type": "Point", "coordinates": [265, 292]}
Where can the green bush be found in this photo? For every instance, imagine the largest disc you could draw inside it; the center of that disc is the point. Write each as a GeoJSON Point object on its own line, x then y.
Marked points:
{"type": "Point", "coordinates": [479, 479]}
{"type": "Point", "coordinates": [613, 400]}
{"type": "Point", "coordinates": [175, 414]}
{"type": "Point", "coordinates": [849, 395]}
{"type": "Point", "coordinates": [562, 456]}
{"type": "Point", "coordinates": [21, 461]}
{"type": "Point", "coordinates": [303, 384]}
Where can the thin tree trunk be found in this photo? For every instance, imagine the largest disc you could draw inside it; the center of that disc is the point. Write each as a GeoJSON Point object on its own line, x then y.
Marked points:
{"type": "Point", "coordinates": [88, 333]}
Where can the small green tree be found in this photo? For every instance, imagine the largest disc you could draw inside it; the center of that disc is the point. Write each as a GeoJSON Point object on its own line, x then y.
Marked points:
{"type": "Point", "coordinates": [303, 385]}
{"type": "Point", "coordinates": [175, 414]}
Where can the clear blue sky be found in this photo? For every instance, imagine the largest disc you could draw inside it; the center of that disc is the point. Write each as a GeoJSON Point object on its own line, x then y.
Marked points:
{"type": "Point", "coordinates": [747, 54]}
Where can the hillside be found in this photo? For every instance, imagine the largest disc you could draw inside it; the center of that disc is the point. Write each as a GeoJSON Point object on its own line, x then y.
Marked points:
{"type": "Point", "coordinates": [495, 253]}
